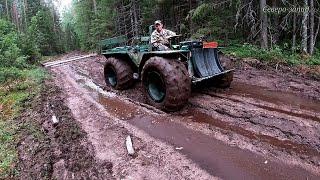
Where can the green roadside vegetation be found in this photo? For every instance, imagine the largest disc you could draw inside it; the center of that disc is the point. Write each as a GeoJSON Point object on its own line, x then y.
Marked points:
{"type": "Point", "coordinates": [20, 80]}
{"type": "Point", "coordinates": [25, 84]}
{"type": "Point", "coordinates": [29, 32]}
{"type": "Point", "coordinates": [273, 55]}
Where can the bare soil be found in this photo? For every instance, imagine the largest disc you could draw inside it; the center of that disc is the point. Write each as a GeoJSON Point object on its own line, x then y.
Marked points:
{"type": "Point", "coordinates": [267, 124]}
{"type": "Point", "coordinates": [47, 151]}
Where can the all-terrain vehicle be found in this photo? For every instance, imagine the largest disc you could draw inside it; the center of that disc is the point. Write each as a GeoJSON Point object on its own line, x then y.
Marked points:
{"type": "Point", "coordinates": [167, 76]}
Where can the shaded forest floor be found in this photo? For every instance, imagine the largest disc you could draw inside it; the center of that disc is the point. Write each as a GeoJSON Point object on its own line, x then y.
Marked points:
{"type": "Point", "coordinates": [266, 124]}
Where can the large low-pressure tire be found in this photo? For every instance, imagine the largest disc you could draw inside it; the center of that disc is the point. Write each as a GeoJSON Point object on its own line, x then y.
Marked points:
{"type": "Point", "coordinates": [167, 83]}
{"type": "Point", "coordinates": [118, 74]}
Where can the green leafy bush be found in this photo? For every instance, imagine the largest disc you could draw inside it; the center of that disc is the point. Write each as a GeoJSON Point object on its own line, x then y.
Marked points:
{"type": "Point", "coordinates": [42, 35]}
{"type": "Point", "coordinates": [276, 54]}
{"type": "Point", "coordinates": [202, 12]}
{"type": "Point", "coordinates": [315, 59]}
{"type": "Point", "coordinates": [10, 53]}
{"type": "Point", "coordinates": [9, 74]}
{"type": "Point", "coordinates": [29, 48]}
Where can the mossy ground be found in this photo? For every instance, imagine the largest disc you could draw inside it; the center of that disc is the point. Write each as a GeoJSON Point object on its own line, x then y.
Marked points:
{"type": "Point", "coordinates": [13, 93]}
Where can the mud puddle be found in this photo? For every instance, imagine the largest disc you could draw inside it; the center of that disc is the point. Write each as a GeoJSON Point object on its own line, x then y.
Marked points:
{"type": "Point", "coordinates": [286, 145]}
{"type": "Point", "coordinates": [269, 108]}
{"type": "Point", "coordinates": [290, 113]}
{"type": "Point", "coordinates": [212, 155]}
{"type": "Point", "coordinates": [276, 97]}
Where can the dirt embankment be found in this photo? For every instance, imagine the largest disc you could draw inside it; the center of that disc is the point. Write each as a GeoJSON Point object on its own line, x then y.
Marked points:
{"type": "Point", "coordinates": [48, 151]}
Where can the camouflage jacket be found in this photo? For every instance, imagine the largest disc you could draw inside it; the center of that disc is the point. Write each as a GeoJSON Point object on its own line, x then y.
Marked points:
{"type": "Point", "coordinates": [161, 38]}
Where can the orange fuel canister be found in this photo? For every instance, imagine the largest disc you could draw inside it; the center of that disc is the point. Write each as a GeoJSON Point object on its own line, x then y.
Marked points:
{"type": "Point", "coordinates": [210, 44]}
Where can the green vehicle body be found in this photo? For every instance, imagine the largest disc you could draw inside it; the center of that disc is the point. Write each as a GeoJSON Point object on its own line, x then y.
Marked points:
{"type": "Point", "coordinates": [140, 50]}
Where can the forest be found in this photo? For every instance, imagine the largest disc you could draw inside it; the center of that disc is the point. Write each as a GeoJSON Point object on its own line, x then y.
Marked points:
{"type": "Point", "coordinates": [272, 31]}
{"type": "Point", "coordinates": [283, 30]}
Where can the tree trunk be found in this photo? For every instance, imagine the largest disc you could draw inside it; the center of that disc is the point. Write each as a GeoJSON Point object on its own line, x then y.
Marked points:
{"type": "Point", "coordinates": [25, 9]}
{"type": "Point", "coordinates": [174, 14]}
{"type": "Point", "coordinates": [276, 22]}
{"type": "Point", "coordinates": [94, 6]}
{"type": "Point", "coordinates": [311, 42]}
{"type": "Point", "coordinates": [316, 32]}
{"type": "Point", "coordinates": [190, 19]}
{"type": "Point", "coordinates": [304, 42]}
{"type": "Point", "coordinates": [15, 15]}
{"type": "Point", "coordinates": [264, 25]}
{"type": "Point", "coordinates": [7, 9]}
{"type": "Point", "coordinates": [294, 30]}
{"type": "Point", "coordinates": [135, 18]}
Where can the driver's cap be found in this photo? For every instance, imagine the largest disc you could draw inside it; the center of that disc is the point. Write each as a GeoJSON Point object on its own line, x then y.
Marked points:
{"type": "Point", "coordinates": [157, 22]}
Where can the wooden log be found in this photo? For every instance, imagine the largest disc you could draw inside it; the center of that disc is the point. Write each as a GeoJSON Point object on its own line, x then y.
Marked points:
{"type": "Point", "coordinates": [55, 63]}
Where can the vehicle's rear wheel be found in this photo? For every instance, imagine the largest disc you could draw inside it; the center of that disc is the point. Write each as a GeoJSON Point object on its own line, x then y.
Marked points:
{"type": "Point", "coordinates": [167, 83]}
{"type": "Point", "coordinates": [118, 74]}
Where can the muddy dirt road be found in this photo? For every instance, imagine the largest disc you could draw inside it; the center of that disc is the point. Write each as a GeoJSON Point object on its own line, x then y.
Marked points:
{"type": "Point", "coordinates": [267, 125]}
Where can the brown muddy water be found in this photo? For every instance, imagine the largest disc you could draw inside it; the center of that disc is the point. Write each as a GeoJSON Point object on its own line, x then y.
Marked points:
{"type": "Point", "coordinates": [214, 156]}
{"type": "Point", "coordinates": [294, 103]}
{"type": "Point", "coordinates": [198, 116]}
{"type": "Point", "coordinates": [287, 112]}
{"type": "Point", "coordinates": [276, 97]}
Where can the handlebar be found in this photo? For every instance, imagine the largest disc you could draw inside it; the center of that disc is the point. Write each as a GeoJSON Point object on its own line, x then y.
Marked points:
{"type": "Point", "coordinates": [175, 36]}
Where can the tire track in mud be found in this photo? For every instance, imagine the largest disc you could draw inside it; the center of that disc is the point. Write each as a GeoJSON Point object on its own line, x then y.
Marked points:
{"type": "Point", "coordinates": [152, 159]}
{"type": "Point", "coordinates": [243, 90]}
{"type": "Point", "coordinates": [198, 116]}
{"type": "Point", "coordinates": [302, 135]}
{"type": "Point", "coordinates": [272, 96]}
{"type": "Point", "coordinates": [277, 102]}
{"type": "Point", "coordinates": [268, 106]}
{"type": "Point", "coordinates": [284, 112]}
{"type": "Point", "coordinates": [278, 81]}
{"type": "Point", "coordinates": [215, 157]}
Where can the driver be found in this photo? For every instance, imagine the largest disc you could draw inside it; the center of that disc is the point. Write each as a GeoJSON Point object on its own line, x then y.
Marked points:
{"type": "Point", "coordinates": [160, 37]}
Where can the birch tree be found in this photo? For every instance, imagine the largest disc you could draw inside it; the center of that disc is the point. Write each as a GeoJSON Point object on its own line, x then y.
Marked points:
{"type": "Point", "coordinates": [264, 25]}
{"type": "Point", "coordinates": [312, 38]}
{"type": "Point", "coordinates": [304, 42]}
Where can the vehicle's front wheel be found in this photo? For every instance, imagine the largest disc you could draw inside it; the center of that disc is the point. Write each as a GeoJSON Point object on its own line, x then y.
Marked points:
{"type": "Point", "coordinates": [167, 83]}
{"type": "Point", "coordinates": [118, 74]}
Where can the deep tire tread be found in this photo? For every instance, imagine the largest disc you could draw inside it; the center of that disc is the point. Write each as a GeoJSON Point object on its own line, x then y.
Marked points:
{"type": "Point", "coordinates": [177, 81]}
{"type": "Point", "coordinates": [124, 73]}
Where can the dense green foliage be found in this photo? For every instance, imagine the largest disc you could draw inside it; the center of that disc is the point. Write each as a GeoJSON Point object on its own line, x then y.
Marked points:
{"type": "Point", "coordinates": [10, 52]}
{"type": "Point", "coordinates": [19, 80]}
{"type": "Point", "coordinates": [235, 24]}
{"type": "Point", "coordinates": [41, 32]}
{"type": "Point", "coordinates": [25, 35]}
{"type": "Point", "coordinates": [276, 54]}
{"type": "Point", "coordinates": [84, 27]}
